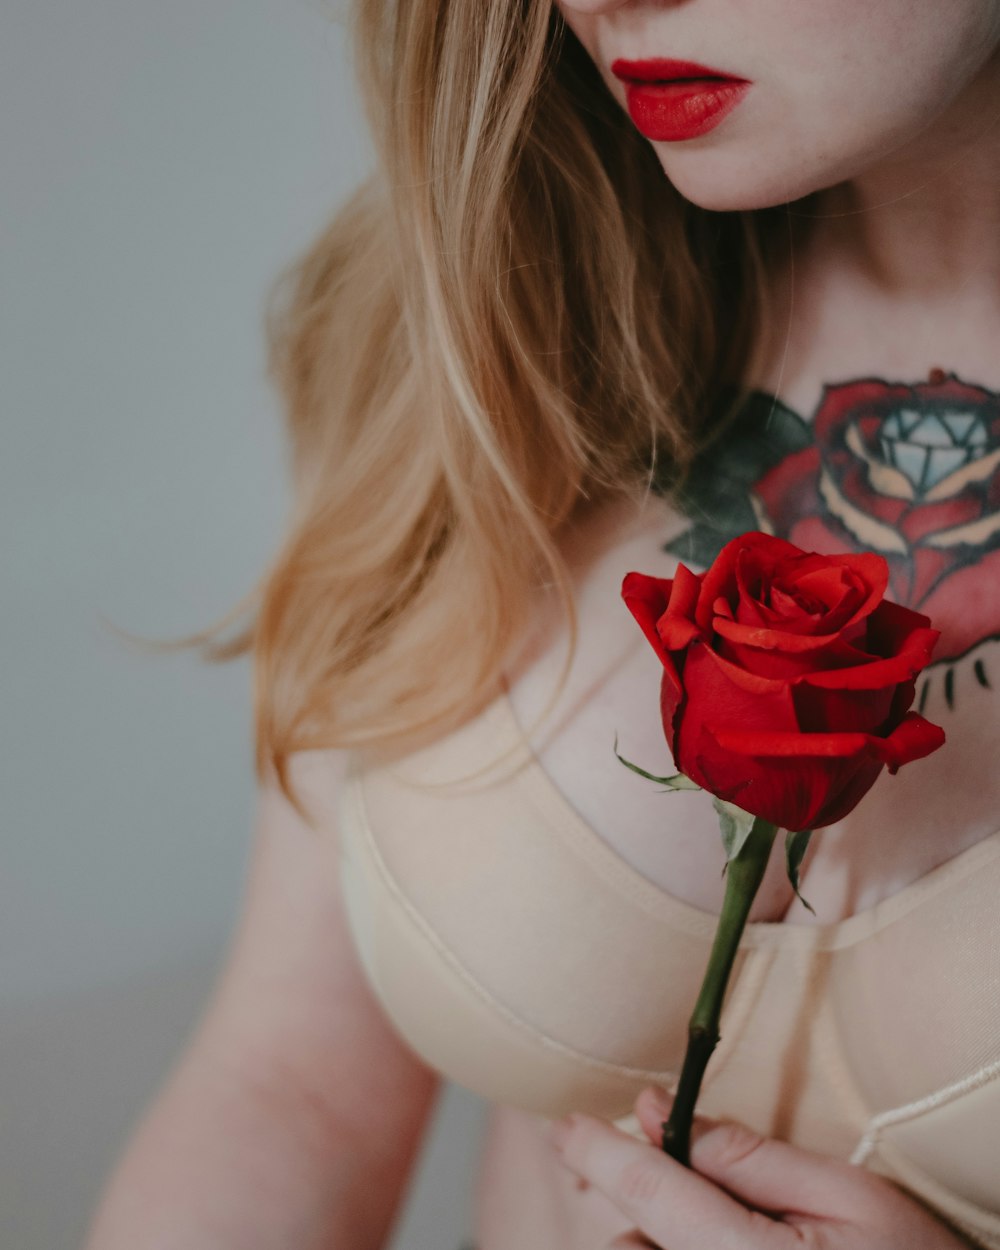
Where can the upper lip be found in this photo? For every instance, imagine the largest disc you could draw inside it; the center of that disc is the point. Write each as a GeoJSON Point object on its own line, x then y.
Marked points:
{"type": "Point", "coordinates": [660, 69]}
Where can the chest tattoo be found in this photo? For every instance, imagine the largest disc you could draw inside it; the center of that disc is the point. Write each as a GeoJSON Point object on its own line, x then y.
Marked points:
{"type": "Point", "coordinates": [908, 470]}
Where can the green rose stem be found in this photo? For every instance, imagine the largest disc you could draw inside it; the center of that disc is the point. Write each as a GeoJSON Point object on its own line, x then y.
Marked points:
{"type": "Point", "coordinates": [743, 877]}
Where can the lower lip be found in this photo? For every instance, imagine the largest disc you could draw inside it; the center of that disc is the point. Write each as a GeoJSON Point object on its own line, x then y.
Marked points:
{"type": "Point", "coordinates": [684, 109]}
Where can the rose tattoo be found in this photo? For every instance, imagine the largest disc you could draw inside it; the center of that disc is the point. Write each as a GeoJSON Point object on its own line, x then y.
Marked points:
{"type": "Point", "coordinates": [911, 472]}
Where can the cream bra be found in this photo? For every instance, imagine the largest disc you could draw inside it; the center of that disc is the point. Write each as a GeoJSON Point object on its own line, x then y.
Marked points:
{"type": "Point", "coordinates": [522, 957]}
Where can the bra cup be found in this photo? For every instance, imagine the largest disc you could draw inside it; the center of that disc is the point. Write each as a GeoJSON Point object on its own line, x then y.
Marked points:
{"type": "Point", "coordinates": [910, 999]}
{"type": "Point", "coordinates": [945, 1149]}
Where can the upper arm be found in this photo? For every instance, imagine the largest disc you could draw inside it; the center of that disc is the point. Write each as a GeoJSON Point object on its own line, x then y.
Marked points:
{"type": "Point", "coordinates": [293, 998]}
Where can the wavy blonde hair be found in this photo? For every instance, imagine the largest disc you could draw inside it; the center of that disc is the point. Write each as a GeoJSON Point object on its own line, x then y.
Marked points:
{"type": "Point", "coordinates": [514, 318]}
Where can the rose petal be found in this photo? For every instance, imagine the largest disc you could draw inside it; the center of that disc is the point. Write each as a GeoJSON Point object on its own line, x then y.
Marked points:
{"type": "Point", "coordinates": [646, 598]}
{"type": "Point", "coordinates": [721, 608]}
{"type": "Point", "coordinates": [773, 639]}
{"type": "Point", "coordinates": [820, 710]}
{"type": "Point", "coordinates": [717, 692]}
{"type": "Point", "coordinates": [902, 700]}
{"type": "Point", "coordinates": [806, 781]}
{"type": "Point", "coordinates": [891, 623]}
{"type": "Point", "coordinates": [794, 793]}
{"type": "Point", "coordinates": [677, 626]}
{"type": "Point", "coordinates": [913, 655]}
{"type": "Point", "coordinates": [912, 739]}
{"type": "Point", "coordinates": [720, 577]}
{"type": "Point", "coordinates": [786, 635]}
{"type": "Point", "coordinates": [839, 654]}
{"type": "Point", "coordinates": [756, 685]}
{"type": "Point", "coordinates": [850, 587]}
{"type": "Point", "coordinates": [870, 570]}
{"type": "Point", "coordinates": [672, 705]}
{"type": "Point", "coordinates": [797, 609]}
{"type": "Point", "coordinates": [752, 591]}
{"type": "Point", "coordinates": [825, 617]}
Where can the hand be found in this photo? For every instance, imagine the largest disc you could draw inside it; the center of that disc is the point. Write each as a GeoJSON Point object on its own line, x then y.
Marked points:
{"type": "Point", "coordinates": [742, 1190]}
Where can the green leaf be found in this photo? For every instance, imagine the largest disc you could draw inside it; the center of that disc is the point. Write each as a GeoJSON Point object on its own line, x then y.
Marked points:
{"type": "Point", "coordinates": [677, 782]}
{"type": "Point", "coordinates": [735, 824]}
{"type": "Point", "coordinates": [795, 849]}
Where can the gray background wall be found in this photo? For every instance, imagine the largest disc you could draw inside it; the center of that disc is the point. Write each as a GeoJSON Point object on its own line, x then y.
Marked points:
{"type": "Point", "coordinates": [162, 161]}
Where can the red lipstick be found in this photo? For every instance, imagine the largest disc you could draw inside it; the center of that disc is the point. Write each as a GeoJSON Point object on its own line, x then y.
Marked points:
{"type": "Point", "coordinates": [673, 100]}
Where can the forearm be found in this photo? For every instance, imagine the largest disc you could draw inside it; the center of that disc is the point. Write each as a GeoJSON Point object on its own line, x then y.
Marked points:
{"type": "Point", "coordinates": [223, 1161]}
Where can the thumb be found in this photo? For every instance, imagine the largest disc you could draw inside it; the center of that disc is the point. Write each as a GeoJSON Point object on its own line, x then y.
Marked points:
{"type": "Point", "coordinates": [764, 1173]}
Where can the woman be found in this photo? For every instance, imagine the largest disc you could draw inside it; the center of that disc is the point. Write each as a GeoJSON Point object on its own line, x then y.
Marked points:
{"type": "Point", "coordinates": [576, 325]}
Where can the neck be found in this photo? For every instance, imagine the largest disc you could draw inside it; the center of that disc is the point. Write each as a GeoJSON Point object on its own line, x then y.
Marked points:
{"type": "Point", "coordinates": [925, 223]}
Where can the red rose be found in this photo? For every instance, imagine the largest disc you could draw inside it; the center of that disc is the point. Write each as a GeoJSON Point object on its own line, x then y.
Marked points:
{"type": "Point", "coordinates": [787, 678]}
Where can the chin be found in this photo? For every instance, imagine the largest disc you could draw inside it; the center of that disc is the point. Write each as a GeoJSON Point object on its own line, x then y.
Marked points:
{"type": "Point", "coordinates": [724, 186]}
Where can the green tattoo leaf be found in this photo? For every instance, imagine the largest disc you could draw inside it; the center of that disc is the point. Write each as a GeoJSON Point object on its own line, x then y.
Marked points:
{"type": "Point", "coordinates": [717, 493]}
{"type": "Point", "coordinates": [735, 824]}
{"type": "Point", "coordinates": [676, 782]}
{"type": "Point", "coordinates": [795, 849]}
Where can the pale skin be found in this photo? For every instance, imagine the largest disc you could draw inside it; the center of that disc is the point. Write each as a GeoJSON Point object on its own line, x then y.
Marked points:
{"type": "Point", "coordinates": [891, 113]}
{"type": "Point", "coordinates": [742, 1190]}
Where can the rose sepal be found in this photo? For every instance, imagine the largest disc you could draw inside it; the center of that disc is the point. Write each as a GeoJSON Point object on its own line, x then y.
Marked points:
{"type": "Point", "coordinates": [677, 781]}
{"type": "Point", "coordinates": [796, 842]}
{"type": "Point", "coordinates": [735, 825]}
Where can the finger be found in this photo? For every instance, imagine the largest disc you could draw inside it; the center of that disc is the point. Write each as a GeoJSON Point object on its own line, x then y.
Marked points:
{"type": "Point", "coordinates": [672, 1205]}
{"type": "Point", "coordinates": [770, 1175]}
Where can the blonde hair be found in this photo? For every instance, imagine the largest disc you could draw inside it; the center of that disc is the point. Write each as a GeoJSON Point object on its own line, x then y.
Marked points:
{"type": "Point", "coordinates": [514, 318]}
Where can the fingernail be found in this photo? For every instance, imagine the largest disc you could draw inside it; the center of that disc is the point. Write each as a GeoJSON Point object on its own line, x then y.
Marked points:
{"type": "Point", "coordinates": [661, 1099]}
